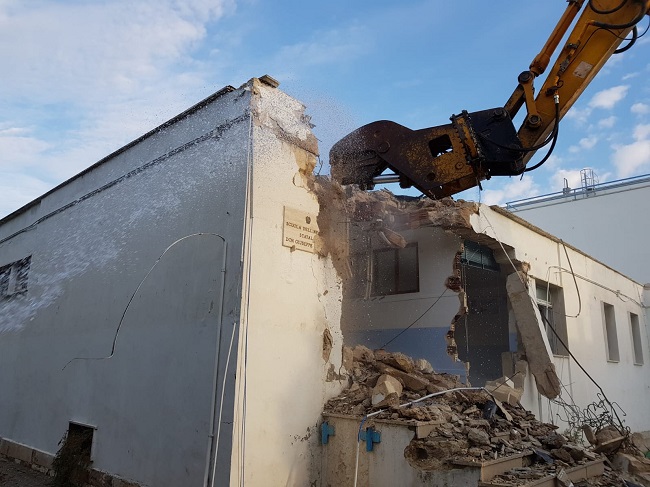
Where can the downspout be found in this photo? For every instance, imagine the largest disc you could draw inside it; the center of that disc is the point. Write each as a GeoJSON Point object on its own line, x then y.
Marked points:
{"type": "Point", "coordinates": [213, 442]}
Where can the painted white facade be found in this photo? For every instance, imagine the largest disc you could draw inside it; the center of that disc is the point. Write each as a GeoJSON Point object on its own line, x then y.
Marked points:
{"type": "Point", "coordinates": [596, 284]}
{"type": "Point", "coordinates": [218, 374]}
{"type": "Point", "coordinates": [607, 221]}
{"type": "Point", "coordinates": [289, 299]}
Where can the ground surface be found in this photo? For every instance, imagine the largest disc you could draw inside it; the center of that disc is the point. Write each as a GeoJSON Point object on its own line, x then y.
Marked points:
{"type": "Point", "coordinates": [15, 475]}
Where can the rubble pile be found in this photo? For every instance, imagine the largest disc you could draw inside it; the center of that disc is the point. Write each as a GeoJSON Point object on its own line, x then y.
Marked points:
{"type": "Point", "coordinates": [462, 427]}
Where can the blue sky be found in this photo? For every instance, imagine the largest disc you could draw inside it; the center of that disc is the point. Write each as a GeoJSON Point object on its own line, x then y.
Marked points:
{"type": "Point", "coordinates": [83, 78]}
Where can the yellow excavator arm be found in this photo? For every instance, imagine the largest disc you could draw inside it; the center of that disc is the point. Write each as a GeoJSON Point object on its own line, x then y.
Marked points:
{"type": "Point", "coordinates": [444, 160]}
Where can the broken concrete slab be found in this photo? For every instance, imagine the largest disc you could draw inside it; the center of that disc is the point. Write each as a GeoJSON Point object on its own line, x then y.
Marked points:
{"type": "Point", "coordinates": [504, 392]}
{"type": "Point", "coordinates": [533, 336]}
{"type": "Point", "coordinates": [387, 387]}
{"type": "Point", "coordinates": [410, 381]}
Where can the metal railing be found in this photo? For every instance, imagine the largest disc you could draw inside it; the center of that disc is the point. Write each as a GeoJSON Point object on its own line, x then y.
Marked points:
{"type": "Point", "coordinates": [577, 193]}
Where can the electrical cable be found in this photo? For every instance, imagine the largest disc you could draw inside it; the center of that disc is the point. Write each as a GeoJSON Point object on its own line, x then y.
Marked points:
{"type": "Point", "coordinates": [635, 36]}
{"type": "Point", "coordinates": [119, 325]}
{"type": "Point", "coordinates": [606, 12]}
{"type": "Point", "coordinates": [221, 401]}
{"type": "Point", "coordinates": [556, 133]}
{"type": "Point", "coordinates": [636, 20]}
{"type": "Point", "coordinates": [415, 321]}
{"type": "Point", "coordinates": [581, 368]}
{"type": "Point", "coordinates": [623, 428]}
{"type": "Point", "coordinates": [575, 281]}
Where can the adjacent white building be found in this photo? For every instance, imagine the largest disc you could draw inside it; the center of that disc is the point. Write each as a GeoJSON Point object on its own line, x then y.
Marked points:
{"type": "Point", "coordinates": [606, 220]}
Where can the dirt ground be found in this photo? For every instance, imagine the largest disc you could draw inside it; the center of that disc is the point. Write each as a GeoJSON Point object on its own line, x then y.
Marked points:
{"type": "Point", "coordinates": [15, 475]}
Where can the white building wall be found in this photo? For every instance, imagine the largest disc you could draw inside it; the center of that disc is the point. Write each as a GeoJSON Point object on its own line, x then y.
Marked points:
{"type": "Point", "coordinates": [289, 299]}
{"type": "Point", "coordinates": [608, 225]}
{"type": "Point", "coordinates": [623, 382]}
{"type": "Point", "coordinates": [92, 241]}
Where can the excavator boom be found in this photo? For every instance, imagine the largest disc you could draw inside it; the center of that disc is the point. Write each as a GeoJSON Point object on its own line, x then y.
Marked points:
{"type": "Point", "coordinates": [447, 159]}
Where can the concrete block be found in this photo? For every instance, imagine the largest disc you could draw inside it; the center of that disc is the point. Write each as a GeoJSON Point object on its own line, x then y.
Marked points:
{"type": "Point", "coordinates": [20, 452]}
{"type": "Point", "coordinates": [410, 381]}
{"type": "Point", "coordinates": [504, 391]}
{"type": "Point", "coordinates": [4, 447]}
{"type": "Point", "coordinates": [385, 387]}
{"type": "Point", "coordinates": [42, 459]}
{"type": "Point", "coordinates": [423, 366]}
{"type": "Point", "coordinates": [533, 336]}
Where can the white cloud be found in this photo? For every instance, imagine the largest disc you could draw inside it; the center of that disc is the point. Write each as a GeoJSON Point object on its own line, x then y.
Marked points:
{"type": "Point", "coordinates": [81, 51]}
{"type": "Point", "coordinates": [608, 98]}
{"type": "Point", "coordinates": [630, 159]}
{"type": "Point", "coordinates": [19, 189]}
{"type": "Point", "coordinates": [572, 176]}
{"type": "Point", "coordinates": [93, 76]}
{"type": "Point", "coordinates": [580, 115]}
{"type": "Point", "coordinates": [585, 143]}
{"type": "Point", "coordinates": [607, 123]}
{"type": "Point", "coordinates": [552, 162]}
{"type": "Point", "coordinates": [642, 131]}
{"type": "Point", "coordinates": [640, 109]}
{"type": "Point", "coordinates": [630, 76]}
{"type": "Point", "coordinates": [605, 99]}
{"type": "Point", "coordinates": [331, 47]}
{"type": "Point", "coordinates": [513, 190]}
{"type": "Point", "coordinates": [19, 148]}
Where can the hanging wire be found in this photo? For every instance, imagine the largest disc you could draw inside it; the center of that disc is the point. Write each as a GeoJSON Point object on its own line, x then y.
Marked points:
{"type": "Point", "coordinates": [416, 320]}
{"type": "Point", "coordinates": [611, 409]}
{"type": "Point", "coordinates": [119, 325]}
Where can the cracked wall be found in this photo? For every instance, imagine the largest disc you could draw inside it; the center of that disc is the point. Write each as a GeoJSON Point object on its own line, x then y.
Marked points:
{"type": "Point", "coordinates": [459, 317]}
{"type": "Point", "coordinates": [289, 360]}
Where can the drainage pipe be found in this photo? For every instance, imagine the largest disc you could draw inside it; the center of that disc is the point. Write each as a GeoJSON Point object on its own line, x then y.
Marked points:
{"type": "Point", "coordinates": [213, 443]}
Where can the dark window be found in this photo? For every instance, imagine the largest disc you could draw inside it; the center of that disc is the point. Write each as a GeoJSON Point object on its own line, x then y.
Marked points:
{"type": "Point", "coordinates": [550, 301]}
{"type": "Point", "coordinates": [395, 271]}
{"type": "Point", "coordinates": [611, 336]}
{"type": "Point", "coordinates": [637, 344]}
{"type": "Point", "coordinates": [13, 277]}
{"type": "Point", "coordinates": [476, 255]}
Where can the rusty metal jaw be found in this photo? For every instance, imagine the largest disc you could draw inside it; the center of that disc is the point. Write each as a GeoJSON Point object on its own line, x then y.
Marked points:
{"type": "Point", "coordinates": [439, 161]}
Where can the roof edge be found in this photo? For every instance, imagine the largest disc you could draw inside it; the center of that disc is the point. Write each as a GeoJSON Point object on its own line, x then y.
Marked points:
{"type": "Point", "coordinates": [223, 91]}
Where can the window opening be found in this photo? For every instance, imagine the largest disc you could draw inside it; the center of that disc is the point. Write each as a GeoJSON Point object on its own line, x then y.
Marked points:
{"type": "Point", "coordinates": [637, 345]}
{"type": "Point", "coordinates": [550, 301]}
{"type": "Point", "coordinates": [72, 462]}
{"type": "Point", "coordinates": [13, 277]}
{"type": "Point", "coordinates": [611, 337]}
{"type": "Point", "coordinates": [477, 255]}
{"type": "Point", "coordinates": [395, 271]}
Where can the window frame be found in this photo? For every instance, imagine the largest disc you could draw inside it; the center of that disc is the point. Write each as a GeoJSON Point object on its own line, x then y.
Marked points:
{"type": "Point", "coordinates": [552, 308]}
{"type": "Point", "coordinates": [637, 342]}
{"type": "Point", "coordinates": [395, 288]}
{"type": "Point", "coordinates": [610, 333]}
{"type": "Point", "coordinates": [14, 278]}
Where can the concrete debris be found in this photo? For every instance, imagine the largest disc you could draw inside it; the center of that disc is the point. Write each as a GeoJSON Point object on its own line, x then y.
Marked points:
{"type": "Point", "coordinates": [640, 442]}
{"type": "Point", "coordinates": [533, 336]}
{"type": "Point", "coordinates": [387, 391]}
{"type": "Point", "coordinates": [504, 392]}
{"type": "Point", "coordinates": [453, 429]}
{"type": "Point", "coordinates": [423, 366]}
